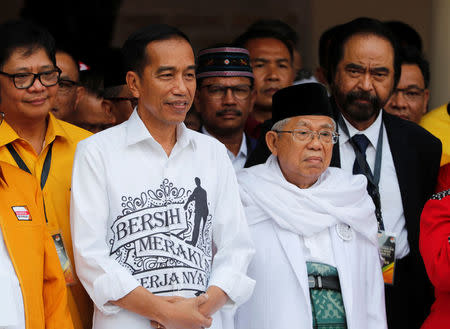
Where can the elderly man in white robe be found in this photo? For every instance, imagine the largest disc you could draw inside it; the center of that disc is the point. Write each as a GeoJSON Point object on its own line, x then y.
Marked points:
{"type": "Point", "coordinates": [317, 263]}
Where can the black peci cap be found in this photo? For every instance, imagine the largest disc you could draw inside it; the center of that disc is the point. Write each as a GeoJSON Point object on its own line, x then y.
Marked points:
{"type": "Point", "coordinates": [302, 99]}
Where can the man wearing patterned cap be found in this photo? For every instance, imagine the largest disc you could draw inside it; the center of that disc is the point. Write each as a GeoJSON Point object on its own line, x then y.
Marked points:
{"type": "Point", "coordinates": [317, 262]}
{"type": "Point", "coordinates": [225, 97]}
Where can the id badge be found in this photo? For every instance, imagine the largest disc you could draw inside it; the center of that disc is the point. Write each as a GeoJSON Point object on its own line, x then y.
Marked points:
{"type": "Point", "coordinates": [64, 259]}
{"type": "Point", "coordinates": [386, 243]}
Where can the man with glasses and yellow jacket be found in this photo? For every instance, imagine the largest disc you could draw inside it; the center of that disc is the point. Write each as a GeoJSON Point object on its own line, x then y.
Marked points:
{"type": "Point", "coordinates": [32, 139]}
{"type": "Point", "coordinates": [32, 285]}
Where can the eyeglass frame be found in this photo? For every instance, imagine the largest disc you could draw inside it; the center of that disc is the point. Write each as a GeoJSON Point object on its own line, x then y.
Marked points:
{"type": "Point", "coordinates": [71, 82]}
{"type": "Point", "coordinates": [232, 88]}
{"type": "Point", "coordinates": [64, 90]}
{"type": "Point", "coordinates": [35, 75]}
{"type": "Point", "coordinates": [311, 133]}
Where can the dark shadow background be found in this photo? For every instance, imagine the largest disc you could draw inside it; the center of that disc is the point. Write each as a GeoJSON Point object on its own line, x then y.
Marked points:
{"type": "Point", "coordinates": [83, 27]}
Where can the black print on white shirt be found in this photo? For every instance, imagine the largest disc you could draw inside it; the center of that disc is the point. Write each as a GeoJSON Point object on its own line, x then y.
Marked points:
{"type": "Point", "coordinates": [201, 209]}
{"type": "Point", "coordinates": [164, 238]}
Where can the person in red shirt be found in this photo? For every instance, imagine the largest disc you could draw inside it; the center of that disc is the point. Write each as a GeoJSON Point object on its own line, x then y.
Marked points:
{"type": "Point", "coordinates": [435, 249]}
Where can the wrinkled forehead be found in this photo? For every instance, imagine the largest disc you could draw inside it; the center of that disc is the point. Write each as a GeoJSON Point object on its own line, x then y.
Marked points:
{"type": "Point", "coordinates": [313, 122]}
{"type": "Point", "coordinates": [368, 48]}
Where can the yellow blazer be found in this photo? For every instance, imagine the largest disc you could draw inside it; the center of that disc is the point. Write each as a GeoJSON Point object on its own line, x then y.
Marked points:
{"type": "Point", "coordinates": [32, 252]}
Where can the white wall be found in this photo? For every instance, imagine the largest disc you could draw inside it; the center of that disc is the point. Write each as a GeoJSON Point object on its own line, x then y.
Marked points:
{"type": "Point", "coordinates": [440, 53]}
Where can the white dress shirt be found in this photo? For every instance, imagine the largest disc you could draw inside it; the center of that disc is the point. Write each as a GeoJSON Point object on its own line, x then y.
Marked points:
{"type": "Point", "coordinates": [318, 248]}
{"type": "Point", "coordinates": [391, 199]}
{"type": "Point", "coordinates": [133, 214]}
{"type": "Point", "coordinates": [238, 160]}
{"type": "Point", "coordinates": [12, 314]}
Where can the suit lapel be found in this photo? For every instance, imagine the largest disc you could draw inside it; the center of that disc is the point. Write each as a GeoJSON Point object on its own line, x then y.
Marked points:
{"type": "Point", "coordinates": [336, 157]}
{"type": "Point", "coordinates": [403, 162]}
{"type": "Point", "coordinates": [292, 248]}
{"type": "Point", "coordinates": [342, 258]}
{"type": "Point", "coordinates": [251, 144]}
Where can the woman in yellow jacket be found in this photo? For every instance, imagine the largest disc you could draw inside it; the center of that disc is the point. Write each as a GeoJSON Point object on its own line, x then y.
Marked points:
{"type": "Point", "coordinates": [28, 257]}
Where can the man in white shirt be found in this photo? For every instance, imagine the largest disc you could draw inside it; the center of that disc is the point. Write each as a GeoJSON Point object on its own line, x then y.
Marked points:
{"type": "Point", "coordinates": [139, 248]}
{"type": "Point", "coordinates": [316, 263]}
{"type": "Point", "coordinates": [225, 97]}
{"type": "Point", "coordinates": [400, 159]}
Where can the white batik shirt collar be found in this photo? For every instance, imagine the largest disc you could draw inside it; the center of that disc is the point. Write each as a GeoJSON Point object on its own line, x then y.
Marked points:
{"type": "Point", "coordinates": [138, 132]}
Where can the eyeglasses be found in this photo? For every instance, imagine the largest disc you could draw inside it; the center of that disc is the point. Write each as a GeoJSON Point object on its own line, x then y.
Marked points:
{"type": "Point", "coordinates": [303, 135]}
{"type": "Point", "coordinates": [410, 94]}
{"type": "Point", "coordinates": [132, 100]}
{"type": "Point", "coordinates": [65, 85]}
{"type": "Point", "coordinates": [26, 80]}
{"type": "Point", "coordinates": [240, 92]}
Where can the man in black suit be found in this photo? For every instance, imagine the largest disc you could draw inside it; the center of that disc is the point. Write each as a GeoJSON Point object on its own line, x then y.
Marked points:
{"type": "Point", "coordinates": [365, 68]}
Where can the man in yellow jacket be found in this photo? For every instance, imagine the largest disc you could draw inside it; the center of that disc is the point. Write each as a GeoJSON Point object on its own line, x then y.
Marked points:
{"type": "Point", "coordinates": [32, 285]}
{"type": "Point", "coordinates": [437, 122]}
{"type": "Point", "coordinates": [32, 139]}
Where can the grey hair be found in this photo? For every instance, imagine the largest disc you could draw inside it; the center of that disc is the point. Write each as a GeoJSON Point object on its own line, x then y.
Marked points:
{"type": "Point", "coordinates": [334, 124]}
{"type": "Point", "coordinates": [279, 125]}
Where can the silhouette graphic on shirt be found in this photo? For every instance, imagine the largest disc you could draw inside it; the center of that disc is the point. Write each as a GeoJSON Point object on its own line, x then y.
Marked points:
{"type": "Point", "coordinates": [201, 210]}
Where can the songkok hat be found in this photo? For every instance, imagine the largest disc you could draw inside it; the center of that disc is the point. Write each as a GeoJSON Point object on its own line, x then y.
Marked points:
{"type": "Point", "coordinates": [224, 62]}
{"type": "Point", "coordinates": [302, 99]}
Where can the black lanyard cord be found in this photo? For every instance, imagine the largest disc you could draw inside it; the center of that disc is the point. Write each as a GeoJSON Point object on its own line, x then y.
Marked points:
{"type": "Point", "coordinates": [45, 168]}
{"type": "Point", "coordinates": [373, 178]}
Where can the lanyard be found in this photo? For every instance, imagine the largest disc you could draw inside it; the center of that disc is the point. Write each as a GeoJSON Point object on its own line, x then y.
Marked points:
{"type": "Point", "coordinates": [373, 178]}
{"type": "Point", "coordinates": [45, 169]}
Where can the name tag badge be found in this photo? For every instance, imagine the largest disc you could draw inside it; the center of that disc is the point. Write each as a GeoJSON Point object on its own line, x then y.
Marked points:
{"type": "Point", "coordinates": [64, 259]}
{"type": "Point", "coordinates": [386, 243]}
{"type": "Point", "coordinates": [22, 213]}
